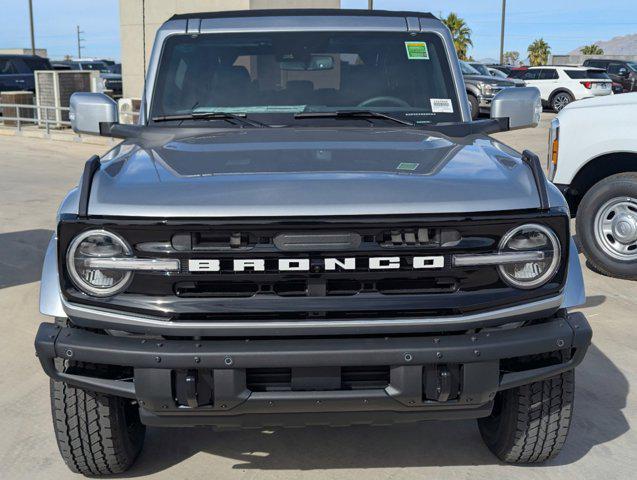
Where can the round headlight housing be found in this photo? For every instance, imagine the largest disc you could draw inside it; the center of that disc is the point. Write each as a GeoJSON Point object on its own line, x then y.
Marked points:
{"type": "Point", "coordinates": [98, 282]}
{"type": "Point", "coordinates": [532, 273]}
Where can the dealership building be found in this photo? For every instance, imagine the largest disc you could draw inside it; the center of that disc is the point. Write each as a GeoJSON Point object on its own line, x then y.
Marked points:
{"type": "Point", "coordinates": [140, 19]}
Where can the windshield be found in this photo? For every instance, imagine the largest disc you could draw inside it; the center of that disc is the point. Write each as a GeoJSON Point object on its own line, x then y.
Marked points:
{"type": "Point", "coordinates": [632, 66]}
{"type": "Point", "coordinates": [266, 74]}
{"type": "Point", "coordinates": [481, 68]}
{"type": "Point", "coordinates": [468, 69]}
{"type": "Point", "coordinates": [497, 73]}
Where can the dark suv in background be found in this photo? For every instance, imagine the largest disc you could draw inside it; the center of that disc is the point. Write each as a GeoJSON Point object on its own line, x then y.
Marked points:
{"type": "Point", "coordinates": [16, 71]}
{"type": "Point", "coordinates": [620, 71]}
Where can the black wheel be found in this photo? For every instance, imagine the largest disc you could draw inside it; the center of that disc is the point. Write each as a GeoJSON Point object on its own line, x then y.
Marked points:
{"type": "Point", "coordinates": [529, 424]}
{"type": "Point", "coordinates": [607, 226]}
{"type": "Point", "coordinates": [560, 100]}
{"type": "Point", "coordinates": [97, 434]}
{"type": "Point", "coordinates": [474, 105]}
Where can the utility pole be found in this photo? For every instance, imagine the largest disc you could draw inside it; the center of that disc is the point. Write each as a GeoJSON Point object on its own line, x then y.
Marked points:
{"type": "Point", "coordinates": [32, 30]}
{"type": "Point", "coordinates": [79, 42]}
{"type": "Point", "coordinates": [370, 4]}
{"type": "Point", "coordinates": [504, 8]}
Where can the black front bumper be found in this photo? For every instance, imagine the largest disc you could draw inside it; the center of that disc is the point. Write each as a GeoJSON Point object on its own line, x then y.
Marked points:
{"type": "Point", "coordinates": [481, 361]}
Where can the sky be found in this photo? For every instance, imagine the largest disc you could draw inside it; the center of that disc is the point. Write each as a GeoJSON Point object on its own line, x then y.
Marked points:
{"type": "Point", "coordinates": [564, 24]}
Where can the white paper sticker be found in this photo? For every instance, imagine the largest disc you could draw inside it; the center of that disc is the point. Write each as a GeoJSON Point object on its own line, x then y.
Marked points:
{"type": "Point", "coordinates": [441, 105]}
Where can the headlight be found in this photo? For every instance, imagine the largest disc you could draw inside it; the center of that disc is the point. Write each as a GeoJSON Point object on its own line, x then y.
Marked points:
{"type": "Point", "coordinates": [95, 244]}
{"type": "Point", "coordinates": [536, 272]}
{"type": "Point", "coordinates": [485, 88]}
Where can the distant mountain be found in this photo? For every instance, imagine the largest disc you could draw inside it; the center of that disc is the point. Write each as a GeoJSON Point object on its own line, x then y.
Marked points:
{"type": "Point", "coordinates": [623, 45]}
{"type": "Point", "coordinates": [489, 61]}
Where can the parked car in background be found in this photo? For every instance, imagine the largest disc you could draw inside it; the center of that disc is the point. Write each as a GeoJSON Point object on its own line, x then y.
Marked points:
{"type": "Point", "coordinates": [561, 85]}
{"type": "Point", "coordinates": [506, 69]}
{"type": "Point", "coordinates": [482, 88]}
{"type": "Point", "coordinates": [593, 161]}
{"type": "Point", "coordinates": [617, 88]}
{"type": "Point", "coordinates": [110, 81]}
{"type": "Point", "coordinates": [518, 72]}
{"type": "Point", "coordinates": [619, 71]}
{"type": "Point", "coordinates": [494, 72]}
{"type": "Point", "coordinates": [16, 71]}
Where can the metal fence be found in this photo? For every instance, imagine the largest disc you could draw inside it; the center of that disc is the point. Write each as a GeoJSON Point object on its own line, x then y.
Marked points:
{"type": "Point", "coordinates": [46, 116]}
{"type": "Point", "coordinates": [42, 115]}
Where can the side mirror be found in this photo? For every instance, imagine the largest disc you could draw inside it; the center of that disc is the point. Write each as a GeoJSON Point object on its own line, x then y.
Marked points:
{"type": "Point", "coordinates": [88, 110]}
{"type": "Point", "coordinates": [623, 72]}
{"type": "Point", "coordinates": [521, 105]}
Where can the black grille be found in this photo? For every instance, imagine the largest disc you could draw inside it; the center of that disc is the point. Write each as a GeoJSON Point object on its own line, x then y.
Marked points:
{"type": "Point", "coordinates": [351, 378]}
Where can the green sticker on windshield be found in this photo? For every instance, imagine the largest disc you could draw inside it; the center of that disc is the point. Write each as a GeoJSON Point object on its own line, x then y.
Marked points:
{"type": "Point", "coordinates": [417, 50]}
{"type": "Point", "coordinates": [407, 166]}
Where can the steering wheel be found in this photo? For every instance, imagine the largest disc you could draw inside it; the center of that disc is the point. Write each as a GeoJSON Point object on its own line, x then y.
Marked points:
{"type": "Point", "coordinates": [383, 102]}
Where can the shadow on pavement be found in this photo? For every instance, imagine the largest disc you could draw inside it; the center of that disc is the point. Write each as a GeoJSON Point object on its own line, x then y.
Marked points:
{"type": "Point", "coordinates": [600, 398]}
{"type": "Point", "coordinates": [21, 256]}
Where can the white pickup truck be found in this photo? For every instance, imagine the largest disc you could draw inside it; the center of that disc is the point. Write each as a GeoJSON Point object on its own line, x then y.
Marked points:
{"type": "Point", "coordinates": [593, 161]}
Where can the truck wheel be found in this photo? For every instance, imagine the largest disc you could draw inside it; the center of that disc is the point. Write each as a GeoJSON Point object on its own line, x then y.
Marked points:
{"type": "Point", "coordinates": [529, 424]}
{"type": "Point", "coordinates": [560, 100]}
{"type": "Point", "coordinates": [97, 434]}
{"type": "Point", "coordinates": [607, 226]}
{"type": "Point", "coordinates": [474, 106]}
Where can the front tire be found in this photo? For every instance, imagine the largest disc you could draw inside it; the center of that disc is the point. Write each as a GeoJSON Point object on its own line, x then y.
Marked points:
{"type": "Point", "coordinates": [560, 100]}
{"type": "Point", "coordinates": [529, 424]}
{"type": "Point", "coordinates": [474, 106]}
{"type": "Point", "coordinates": [96, 434]}
{"type": "Point", "coordinates": [607, 226]}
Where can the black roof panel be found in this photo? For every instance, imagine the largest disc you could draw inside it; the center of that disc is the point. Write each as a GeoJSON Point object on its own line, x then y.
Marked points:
{"type": "Point", "coordinates": [302, 12]}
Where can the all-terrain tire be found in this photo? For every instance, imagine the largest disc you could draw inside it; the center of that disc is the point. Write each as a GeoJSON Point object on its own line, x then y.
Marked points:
{"type": "Point", "coordinates": [529, 424]}
{"type": "Point", "coordinates": [615, 186]}
{"type": "Point", "coordinates": [474, 106]}
{"type": "Point", "coordinates": [97, 434]}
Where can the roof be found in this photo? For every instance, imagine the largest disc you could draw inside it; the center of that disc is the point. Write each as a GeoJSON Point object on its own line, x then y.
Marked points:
{"type": "Point", "coordinates": [570, 67]}
{"type": "Point", "coordinates": [302, 12]}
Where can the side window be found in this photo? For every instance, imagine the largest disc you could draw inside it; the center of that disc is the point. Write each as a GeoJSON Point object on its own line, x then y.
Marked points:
{"type": "Point", "coordinates": [614, 68]}
{"type": "Point", "coordinates": [532, 74]}
{"type": "Point", "coordinates": [7, 67]}
{"type": "Point", "coordinates": [548, 74]}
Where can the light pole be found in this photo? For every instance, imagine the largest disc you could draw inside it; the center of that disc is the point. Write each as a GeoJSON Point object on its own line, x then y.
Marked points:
{"type": "Point", "coordinates": [504, 8]}
{"type": "Point", "coordinates": [370, 4]}
{"type": "Point", "coordinates": [79, 41]}
{"type": "Point", "coordinates": [32, 31]}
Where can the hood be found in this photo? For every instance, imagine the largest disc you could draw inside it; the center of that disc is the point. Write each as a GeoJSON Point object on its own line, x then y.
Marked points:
{"type": "Point", "coordinates": [489, 79]}
{"type": "Point", "coordinates": [311, 172]}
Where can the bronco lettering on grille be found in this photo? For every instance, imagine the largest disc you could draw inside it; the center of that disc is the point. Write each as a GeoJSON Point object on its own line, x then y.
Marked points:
{"type": "Point", "coordinates": [326, 264]}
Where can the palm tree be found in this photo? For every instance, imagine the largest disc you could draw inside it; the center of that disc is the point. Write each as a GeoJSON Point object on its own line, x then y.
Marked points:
{"type": "Point", "coordinates": [539, 52]}
{"type": "Point", "coordinates": [511, 57]}
{"type": "Point", "coordinates": [592, 50]}
{"type": "Point", "coordinates": [460, 33]}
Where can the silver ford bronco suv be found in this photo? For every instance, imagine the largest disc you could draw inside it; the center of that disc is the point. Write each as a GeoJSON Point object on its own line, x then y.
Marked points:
{"type": "Point", "coordinates": [306, 227]}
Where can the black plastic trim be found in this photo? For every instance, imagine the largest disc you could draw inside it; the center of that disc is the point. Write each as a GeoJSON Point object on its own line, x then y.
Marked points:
{"type": "Point", "coordinates": [92, 165]}
{"type": "Point", "coordinates": [304, 12]}
{"type": "Point", "coordinates": [533, 161]}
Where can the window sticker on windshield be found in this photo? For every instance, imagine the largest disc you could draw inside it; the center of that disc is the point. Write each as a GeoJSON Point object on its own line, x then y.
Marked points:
{"type": "Point", "coordinates": [407, 166]}
{"type": "Point", "coordinates": [441, 105]}
{"type": "Point", "coordinates": [417, 50]}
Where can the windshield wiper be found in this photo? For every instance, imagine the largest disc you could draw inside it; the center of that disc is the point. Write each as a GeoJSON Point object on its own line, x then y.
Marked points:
{"type": "Point", "coordinates": [229, 117]}
{"type": "Point", "coordinates": [364, 114]}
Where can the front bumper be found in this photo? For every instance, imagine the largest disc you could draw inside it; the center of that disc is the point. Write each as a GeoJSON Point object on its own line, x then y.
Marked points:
{"type": "Point", "coordinates": [481, 362]}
